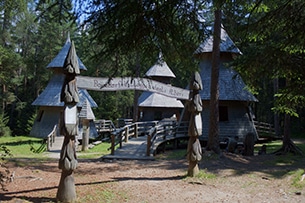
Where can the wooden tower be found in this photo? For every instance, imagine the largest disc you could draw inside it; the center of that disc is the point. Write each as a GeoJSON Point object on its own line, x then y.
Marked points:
{"type": "Point", "coordinates": [235, 115]}
{"type": "Point", "coordinates": [154, 106]}
{"type": "Point", "coordinates": [50, 106]}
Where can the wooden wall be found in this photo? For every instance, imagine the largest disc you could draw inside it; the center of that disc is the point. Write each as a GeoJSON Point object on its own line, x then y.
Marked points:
{"type": "Point", "coordinates": [238, 123]}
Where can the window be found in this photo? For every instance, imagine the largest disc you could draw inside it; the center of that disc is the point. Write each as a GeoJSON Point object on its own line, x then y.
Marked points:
{"type": "Point", "coordinates": [223, 113]}
{"type": "Point", "coordinates": [39, 116]}
{"type": "Point", "coordinates": [158, 115]}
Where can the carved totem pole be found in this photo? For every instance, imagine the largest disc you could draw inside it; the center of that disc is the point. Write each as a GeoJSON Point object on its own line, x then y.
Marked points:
{"type": "Point", "coordinates": [194, 151]}
{"type": "Point", "coordinates": [69, 128]}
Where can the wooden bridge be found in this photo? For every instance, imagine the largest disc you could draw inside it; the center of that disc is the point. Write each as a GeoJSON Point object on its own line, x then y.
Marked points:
{"type": "Point", "coordinates": [139, 141]}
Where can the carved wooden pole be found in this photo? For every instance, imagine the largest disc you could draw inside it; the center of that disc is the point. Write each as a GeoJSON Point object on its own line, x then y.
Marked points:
{"type": "Point", "coordinates": [69, 128]}
{"type": "Point", "coordinates": [194, 151]}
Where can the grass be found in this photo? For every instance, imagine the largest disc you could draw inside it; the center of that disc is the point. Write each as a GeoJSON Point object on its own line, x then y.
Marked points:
{"type": "Point", "coordinates": [204, 174]}
{"type": "Point", "coordinates": [271, 146]}
{"type": "Point", "coordinates": [23, 146]}
{"type": "Point", "coordinates": [100, 193]}
{"type": "Point", "coordinates": [96, 152]}
{"type": "Point", "coordinates": [297, 178]}
{"type": "Point", "coordinates": [172, 154]}
{"type": "Point", "coordinates": [29, 147]}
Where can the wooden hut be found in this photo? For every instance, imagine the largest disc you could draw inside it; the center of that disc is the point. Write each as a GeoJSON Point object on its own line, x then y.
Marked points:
{"type": "Point", "coordinates": [50, 106]}
{"type": "Point", "coordinates": [235, 115]}
{"type": "Point", "coordinates": [154, 106]}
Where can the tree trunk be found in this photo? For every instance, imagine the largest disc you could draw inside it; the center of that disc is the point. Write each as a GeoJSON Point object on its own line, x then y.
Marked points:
{"type": "Point", "coordinates": [213, 138]}
{"type": "Point", "coordinates": [249, 144]}
{"type": "Point", "coordinates": [286, 137]}
{"type": "Point", "coordinates": [276, 115]}
{"type": "Point", "coordinates": [288, 145]}
{"type": "Point", "coordinates": [136, 93]}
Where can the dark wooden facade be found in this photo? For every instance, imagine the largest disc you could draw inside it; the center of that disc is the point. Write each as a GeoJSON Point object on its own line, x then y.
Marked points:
{"type": "Point", "coordinates": [235, 115]}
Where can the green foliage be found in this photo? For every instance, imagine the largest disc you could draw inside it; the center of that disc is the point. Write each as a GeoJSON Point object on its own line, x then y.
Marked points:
{"type": "Point", "coordinates": [273, 48]}
{"type": "Point", "coordinates": [295, 102]}
{"type": "Point", "coordinates": [4, 129]}
{"type": "Point", "coordinates": [4, 152]}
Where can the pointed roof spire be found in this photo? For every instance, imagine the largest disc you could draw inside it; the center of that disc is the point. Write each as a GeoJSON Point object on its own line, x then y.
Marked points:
{"type": "Point", "coordinates": [160, 69]}
{"type": "Point", "coordinates": [86, 111]}
{"type": "Point", "coordinates": [226, 44]}
{"type": "Point", "coordinates": [59, 60]}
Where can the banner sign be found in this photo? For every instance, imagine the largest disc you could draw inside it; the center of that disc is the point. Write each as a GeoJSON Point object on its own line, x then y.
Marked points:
{"type": "Point", "coordinates": [129, 83]}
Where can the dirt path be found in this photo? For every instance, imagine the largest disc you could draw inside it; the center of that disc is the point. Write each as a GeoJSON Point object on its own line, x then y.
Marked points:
{"type": "Point", "coordinates": [234, 179]}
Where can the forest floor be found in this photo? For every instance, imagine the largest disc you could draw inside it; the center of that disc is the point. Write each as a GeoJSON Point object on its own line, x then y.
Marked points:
{"type": "Point", "coordinates": [229, 178]}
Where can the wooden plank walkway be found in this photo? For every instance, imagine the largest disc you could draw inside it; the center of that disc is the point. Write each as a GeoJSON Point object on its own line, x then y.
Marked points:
{"type": "Point", "coordinates": [56, 147]}
{"type": "Point", "coordinates": [134, 149]}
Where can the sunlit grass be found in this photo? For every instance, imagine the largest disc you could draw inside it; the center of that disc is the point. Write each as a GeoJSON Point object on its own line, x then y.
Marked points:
{"type": "Point", "coordinates": [29, 147]}
{"type": "Point", "coordinates": [23, 146]}
{"type": "Point", "coordinates": [271, 146]}
{"type": "Point", "coordinates": [297, 181]}
{"type": "Point", "coordinates": [204, 174]}
{"type": "Point", "coordinates": [96, 152]}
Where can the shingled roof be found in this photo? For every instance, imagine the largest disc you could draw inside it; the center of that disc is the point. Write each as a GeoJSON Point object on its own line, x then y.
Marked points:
{"type": "Point", "coordinates": [51, 94]}
{"type": "Point", "coordinates": [150, 99]}
{"type": "Point", "coordinates": [160, 69]}
{"type": "Point", "coordinates": [226, 44]}
{"type": "Point", "coordinates": [231, 85]}
{"type": "Point", "coordinates": [59, 60]}
{"type": "Point", "coordinates": [86, 111]}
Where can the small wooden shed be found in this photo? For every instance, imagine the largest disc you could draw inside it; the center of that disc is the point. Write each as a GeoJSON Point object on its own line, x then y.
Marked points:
{"type": "Point", "coordinates": [50, 106]}
{"type": "Point", "coordinates": [235, 115]}
{"type": "Point", "coordinates": [154, 106]}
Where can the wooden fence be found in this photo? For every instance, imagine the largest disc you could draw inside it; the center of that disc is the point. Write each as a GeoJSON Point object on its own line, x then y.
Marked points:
{"type": "Point", "coordinates": [51, 138]}
{"type": "Point", "coordinates": [264, 129]}
{"type": "Point", "coordinates": [131, 130]}
{"type": "Point", "coordinates": [165, 132]}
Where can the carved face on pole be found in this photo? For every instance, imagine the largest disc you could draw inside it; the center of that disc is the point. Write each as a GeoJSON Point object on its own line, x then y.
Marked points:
{"type": "Point", "coordinates": [195, 106]}
{"type": "Point", "coordinates": [69, 128]}
{"type": "Point", "coordinates": [195, 125]}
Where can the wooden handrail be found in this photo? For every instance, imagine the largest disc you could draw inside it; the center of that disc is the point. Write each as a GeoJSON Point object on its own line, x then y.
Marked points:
{"type": "Point", "coordinates": [51, 138]}
{"type": "Point", "coordinates": [155, 130]}
{"type": "Point", "coordinates": [262, 127]}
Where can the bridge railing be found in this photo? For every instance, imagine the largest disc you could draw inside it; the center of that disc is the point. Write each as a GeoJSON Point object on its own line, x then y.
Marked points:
{"type": "Point", "coordinates": [51, 138]}
{"type": "Point", "coordinates": [165, 131]}
{"type": "Point", "coordinates": [123, 134]}
{"type": "Point", "coordinates": [103, 125]}
{"type": "Point", "coordinates": [264, 129]}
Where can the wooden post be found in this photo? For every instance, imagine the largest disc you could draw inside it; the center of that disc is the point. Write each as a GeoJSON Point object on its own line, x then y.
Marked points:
{"type": "Point", "coordinates": [194, 151]}
{"type": "Point", "coordinates": [148, 145]}
{"type": "Point", "coordinates": [136, 134]}
{"type": "Point", "coordinates": [85, 139]}
{"type": "Point", "coordinates": [48, 143]}
{"type": "Point", "coordinates": [112, 143]}
{"type": "Point", "coordinates": [126, 133]}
